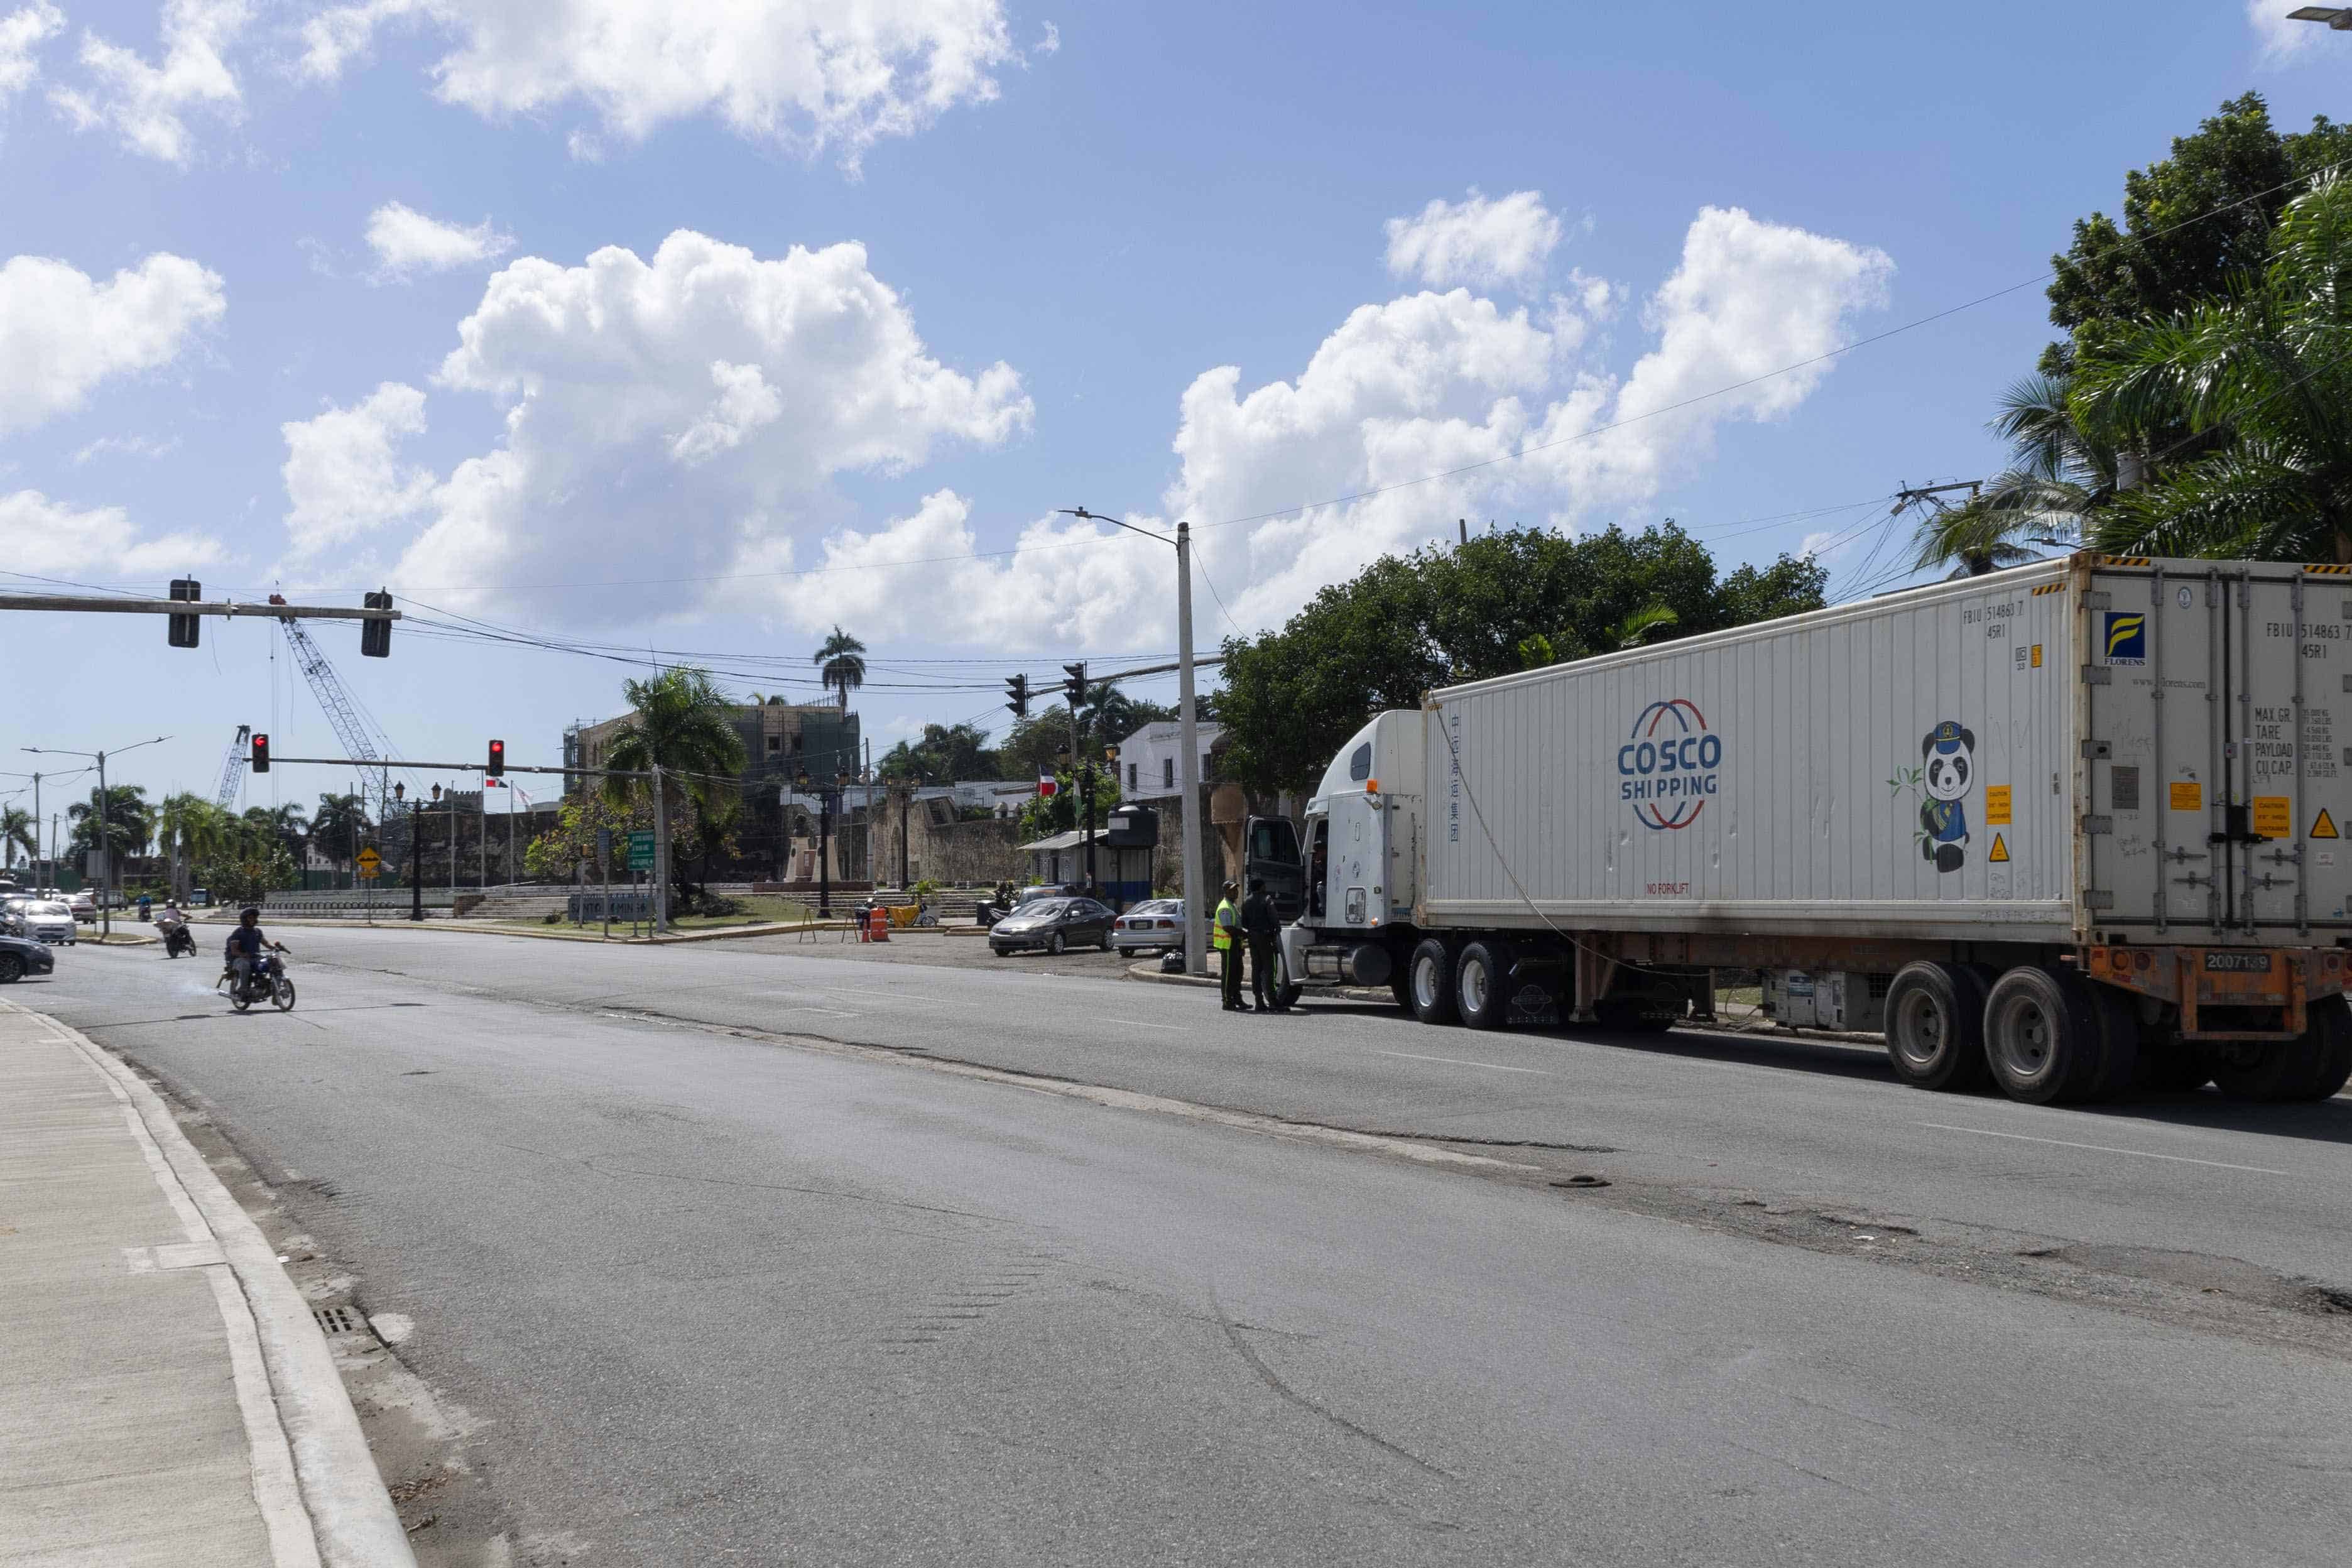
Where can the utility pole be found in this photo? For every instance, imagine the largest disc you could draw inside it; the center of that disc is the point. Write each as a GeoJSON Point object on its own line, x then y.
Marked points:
{"type": "Point", "coordinates": [482, 842]}
{"type": "Point", "coordinates": [661, 853]}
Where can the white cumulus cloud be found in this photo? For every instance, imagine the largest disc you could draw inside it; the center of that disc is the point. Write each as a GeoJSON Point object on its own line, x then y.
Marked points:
{"type": "Point", "coordinates": [142, 104]}
{"type": "Point", "coordinates": [2280, 39]}
{"type": "Point", "coordinates": [406, 242]}
{"type": "Point", "coordinates": [344, 477]}
{"type": "Point", "coordinates": [22, 33]}
{"type": "Point", "coordinates": [50, 538]}
{"type": "Point", "coordinates": [818, 74]}
{"type": "Point", "coordinates": [674, 416]}
{"type": "Point", "coordinates": [66, 332]}
{"type": "Point", "coordinates": [1485, 243]}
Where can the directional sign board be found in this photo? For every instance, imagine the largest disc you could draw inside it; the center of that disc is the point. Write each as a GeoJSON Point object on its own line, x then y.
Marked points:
{"type": "Point", "coordinates": [370, 863]}
{"type": "Point", "coordinates": [641, 849]}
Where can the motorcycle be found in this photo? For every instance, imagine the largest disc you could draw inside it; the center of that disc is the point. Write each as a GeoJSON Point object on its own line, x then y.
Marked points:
{"type": "Point", "coordinates": [179, 941]}
{"type": "Point", "coordinates": [266, 981]}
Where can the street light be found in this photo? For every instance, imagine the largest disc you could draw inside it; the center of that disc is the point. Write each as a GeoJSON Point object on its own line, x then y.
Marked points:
{"type": "Point", "coordinates": [2338, 17]}
{"type": "Point", "coordinates": [1196, 957]}
{"type": "Point", "coordinates": [105, 823]}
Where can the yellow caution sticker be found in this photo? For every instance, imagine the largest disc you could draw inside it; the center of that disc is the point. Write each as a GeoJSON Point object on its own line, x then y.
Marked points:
{"type": "Point", "coordinates": [2037, 656]}
{"type": "Point", "coordinates": [2187, 794]}
{"type": "Point", "coordinates": [2272, 817]}
{"type": "Point", "coordinates": [1997, 806]}
{"type": "Point", "coordinates": [1999, 856]}
{"type": "Point", "coordinates": [2326, 827]}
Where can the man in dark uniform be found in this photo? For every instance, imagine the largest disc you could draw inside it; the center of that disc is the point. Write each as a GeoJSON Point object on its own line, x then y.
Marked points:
{"type": "Point", "coordinates": [1261, 926]}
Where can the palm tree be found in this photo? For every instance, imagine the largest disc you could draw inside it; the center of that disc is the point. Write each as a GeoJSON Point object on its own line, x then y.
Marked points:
{"type": "Point", "coordinates": [2263, 379]}
{"type": "Point", "coordinates": [191, 828]}
{"type": "Point", "coordinates": [129, 823]}
{"type": "Point", "coordinates": [2061, 472]}
{"type": "Point", "coordinates": [680, 720]}
{"type": "Point", "coordinates": [341, 822]}
{"type": "Point", "coordinates": [841, 664]}
{"type": "Point", "coordinates": [18, 831]}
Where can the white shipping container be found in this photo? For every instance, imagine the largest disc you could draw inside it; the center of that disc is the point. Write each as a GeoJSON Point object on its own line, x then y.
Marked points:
{"type": "Point", "coordinates": [2102, 745]}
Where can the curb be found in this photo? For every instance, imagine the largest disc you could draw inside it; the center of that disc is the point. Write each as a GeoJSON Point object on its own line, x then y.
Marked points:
{"type": "Point", "coordinates": [1345, 992]}
{"type": "Point", "coordinates": [349, 1513]}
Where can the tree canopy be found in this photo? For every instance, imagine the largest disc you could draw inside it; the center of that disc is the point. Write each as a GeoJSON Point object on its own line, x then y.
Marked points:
{"type": "Point", "coordinates": [945, 753]}
{"type": "Point", "coordinates": [1500, 603]}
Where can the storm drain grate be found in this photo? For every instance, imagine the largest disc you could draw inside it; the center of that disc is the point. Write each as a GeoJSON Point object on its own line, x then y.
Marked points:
{"type": "Point", "coordinates": [338, 1319]}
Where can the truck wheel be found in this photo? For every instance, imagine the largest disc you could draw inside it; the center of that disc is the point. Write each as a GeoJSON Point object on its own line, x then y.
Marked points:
{"type": "Point", "coordinates": [2118, 1067]}
{"type": "Point", "coordinates": [1287, 992]}
{"type": "Point", "coordinates": [1482, 985]}
{"type": "Point", "coordinates": [2261, 1070]}
{"type": "Point", "coordinates": [1935, 1026]}
{"type": "Point", "coordinates": [1431, 977]}
{"type": "Point", "coordinates": [1401, 985]}
{"type": "Point", "coordinates": [2042, 1036]}
{"type": "Point", "coordinates": [2331, 1030]}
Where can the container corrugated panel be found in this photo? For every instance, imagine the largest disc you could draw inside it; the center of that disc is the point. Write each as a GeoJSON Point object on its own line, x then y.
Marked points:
{"type": "Point", "coordinates": [1905, 766]}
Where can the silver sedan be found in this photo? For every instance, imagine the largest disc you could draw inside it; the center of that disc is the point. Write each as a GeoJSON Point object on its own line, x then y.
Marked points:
{"type": "Point", "coordinates": [1155, 925]}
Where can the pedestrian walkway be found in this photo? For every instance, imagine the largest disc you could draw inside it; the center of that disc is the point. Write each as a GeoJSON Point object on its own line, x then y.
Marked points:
{"type": "Point", "coordinates": [165, 1396]}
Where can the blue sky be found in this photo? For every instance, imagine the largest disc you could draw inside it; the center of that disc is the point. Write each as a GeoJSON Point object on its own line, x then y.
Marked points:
{"type": "Point", "coordinates": [604, 318]}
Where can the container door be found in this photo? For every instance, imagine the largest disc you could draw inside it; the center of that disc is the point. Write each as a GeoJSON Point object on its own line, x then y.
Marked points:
{"type": "Point", "coordinates": [2152, 785]}
{"type": "Point", "coordinates": [2289, 678]}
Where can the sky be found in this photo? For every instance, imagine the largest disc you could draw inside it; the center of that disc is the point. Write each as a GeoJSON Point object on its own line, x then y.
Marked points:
{"type": "Point", "coordinates": [690, 331]}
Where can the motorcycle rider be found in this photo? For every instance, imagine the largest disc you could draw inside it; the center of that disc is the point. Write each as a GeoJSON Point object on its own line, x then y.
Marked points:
{"type": "Point", "coordinates": [170, 922]}
{"type": "Point", "coordinates": [246, 944]}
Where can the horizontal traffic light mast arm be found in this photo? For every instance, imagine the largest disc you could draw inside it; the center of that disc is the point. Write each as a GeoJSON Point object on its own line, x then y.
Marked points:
{"type": "Point", "coordinates": [190, 607]}
{"type": "Point", "coordinates": [396, 766]}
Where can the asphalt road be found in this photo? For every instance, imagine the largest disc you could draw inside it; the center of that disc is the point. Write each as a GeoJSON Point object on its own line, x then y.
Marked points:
{"type": "Point", "coordinates": [708, 1294]}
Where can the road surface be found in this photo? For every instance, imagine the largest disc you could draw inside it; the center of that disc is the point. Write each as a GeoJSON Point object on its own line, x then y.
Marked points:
{"type": "Point", "coordinates": [725, 1253]}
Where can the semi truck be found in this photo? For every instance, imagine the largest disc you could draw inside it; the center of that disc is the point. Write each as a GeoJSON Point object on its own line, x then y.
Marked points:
{"type": "Point", "coordinates": [2066, 829]}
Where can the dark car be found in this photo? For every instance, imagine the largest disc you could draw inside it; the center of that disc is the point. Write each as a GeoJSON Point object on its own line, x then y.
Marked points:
{"type": "Point", "coordinates": [19, 957]}
{"type": "Point", "coordinates": [1053, 924]}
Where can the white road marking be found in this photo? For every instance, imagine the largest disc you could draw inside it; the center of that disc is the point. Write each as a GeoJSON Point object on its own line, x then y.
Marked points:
{"type": "Point", "coordinates": [1139, 1024]}
{"type": "Point", "coordinates": [1457, 1061]}
{"type": "Point", "coordinates": [2102, 1147]}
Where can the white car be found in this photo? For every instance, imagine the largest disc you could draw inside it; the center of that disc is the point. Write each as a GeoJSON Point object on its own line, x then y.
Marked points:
{"type": "Point", "coordinates": [1155, 925]}
{"type": "Point", "coordinates": [42, 919]}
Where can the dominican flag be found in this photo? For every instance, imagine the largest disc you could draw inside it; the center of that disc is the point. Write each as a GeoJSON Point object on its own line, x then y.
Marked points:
{"type": "Point", "coordinates": [1047, 787]}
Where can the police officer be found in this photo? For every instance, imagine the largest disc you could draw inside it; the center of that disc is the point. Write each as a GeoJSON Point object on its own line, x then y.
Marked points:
{"type": "Point", "coordinates": [1229, 954]}
{"type": "Point", "coordinates": [1262, 926]}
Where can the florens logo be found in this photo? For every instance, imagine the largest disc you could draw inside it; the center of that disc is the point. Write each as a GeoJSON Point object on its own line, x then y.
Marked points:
{"type": "Point", "coordinates": [1670, 767]}
{"type": "Point", "coordinates": [2126, 639]}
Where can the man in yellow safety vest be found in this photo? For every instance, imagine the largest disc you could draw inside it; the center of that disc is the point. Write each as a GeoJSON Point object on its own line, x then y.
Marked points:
{"type": "Point", "coordinates": [1229, 956]}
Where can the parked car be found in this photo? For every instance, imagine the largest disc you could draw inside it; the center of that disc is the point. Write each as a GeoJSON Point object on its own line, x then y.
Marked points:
{"type": "Point", "coordinates": [1053, 924]}
{"type": "Point", "coordinates": [42, 919]}
{"type": "Point", "coordinates": [1154, 925]}
{"type": "Point", "coordinates": [84, 907]}
{"type": "Point", "coordinates": [20, 956]}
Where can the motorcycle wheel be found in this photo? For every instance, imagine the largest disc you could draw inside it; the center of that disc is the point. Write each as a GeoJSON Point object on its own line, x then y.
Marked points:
{"type": "Point", "coordinates": [282, 994]}
{"type": "Point", "coordinates": [238, 999]}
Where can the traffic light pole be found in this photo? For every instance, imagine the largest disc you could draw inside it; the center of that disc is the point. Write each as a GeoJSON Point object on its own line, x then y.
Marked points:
{"type": "Point", "coordinates": [416, 863]}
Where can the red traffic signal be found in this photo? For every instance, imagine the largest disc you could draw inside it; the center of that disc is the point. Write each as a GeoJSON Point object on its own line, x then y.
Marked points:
{"type": "Point", "coordinates": [261, 753]}
{"type": "Point", "coordinates": [497, 766]}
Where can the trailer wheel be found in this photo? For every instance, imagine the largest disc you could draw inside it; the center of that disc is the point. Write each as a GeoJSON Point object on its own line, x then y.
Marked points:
{"type": "Point", "coordinates": [1482, 985]}
{"type": "Point", "coordinates": [1401, 985]}
{"type": "Point", "coordinates": [1430, 975]}
{"type": "Point", "coordinates": [2331, 1031]}
{"type": "Point", "coordinates": [1935, 1026]}
{"type": "Point", "coordinates": [2170, 1065]}
{"type": "Point", "coordinates": [2118, 1065]}
{"type": "Point", "coordinates": [2042, 1036]}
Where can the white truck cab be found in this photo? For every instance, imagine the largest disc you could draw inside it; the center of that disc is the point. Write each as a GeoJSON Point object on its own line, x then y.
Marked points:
{"type": "Point", "coordinates": [1360, 861]}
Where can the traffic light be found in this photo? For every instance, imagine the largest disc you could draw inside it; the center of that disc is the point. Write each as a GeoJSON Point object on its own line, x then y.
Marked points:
{"type": "Point", "coordinates": [184, 630]}
{"type": "Point", "coordinates": [1077, 685]}
{"type": "Point", "coordinates": [495, 767]}
{"type": "Point", "coordinates": [1017, 689]}
{"type": "Point", "coordinates": [375, 637]}
{"type": "Point", "coordinates": [261, 753]}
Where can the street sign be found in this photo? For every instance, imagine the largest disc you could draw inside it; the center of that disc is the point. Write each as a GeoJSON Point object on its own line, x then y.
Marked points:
{"type": "Point", "coordinates": [370, 864]}
{"type": "Point", "coordinates": [603, 844]}
{"type": "Point", "coordinates": [641, 849]}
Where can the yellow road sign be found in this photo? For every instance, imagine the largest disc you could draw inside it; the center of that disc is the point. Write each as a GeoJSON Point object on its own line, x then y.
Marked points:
{"type": "Point", "coordinates": [369, 860]}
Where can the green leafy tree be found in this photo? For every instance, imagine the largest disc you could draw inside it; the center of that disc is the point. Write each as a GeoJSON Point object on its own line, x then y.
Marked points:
{"type": "Point", "coordinates": [841, 664]}
{"type": "Point", "coordinates": [680, 720]}
{"type": "Point", "coordinates": [1064, 809]}
{"type": "Point", "coordinates": [2190, 222]}
{"type": "Point", "coordinates": [2266, 373]}
{"type": "Point", "coordinates": [340, 827]}
{"type": "Point", "coordinates": [247, 874]}
{"type": "Point", "coordinates": [944, 753]}
{"type": "Point", "coordinates": [131, 822]}
{"type": "Point", "coordinates": [1498, 603]}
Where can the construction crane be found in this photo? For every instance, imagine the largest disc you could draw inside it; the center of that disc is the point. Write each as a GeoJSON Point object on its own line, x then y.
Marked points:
{"type": "Point", "coordinates": [375, 784]}
{"type": "Point", "coordinates": [232, 769]}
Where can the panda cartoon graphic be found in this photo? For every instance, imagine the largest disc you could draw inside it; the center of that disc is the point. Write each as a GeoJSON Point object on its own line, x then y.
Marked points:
{"type": "Point", "coordinates": [1947, 767]}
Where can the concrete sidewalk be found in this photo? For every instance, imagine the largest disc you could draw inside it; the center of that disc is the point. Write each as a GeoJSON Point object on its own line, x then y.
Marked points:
{"type": "Point", "coordinates": [165, 1396]}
